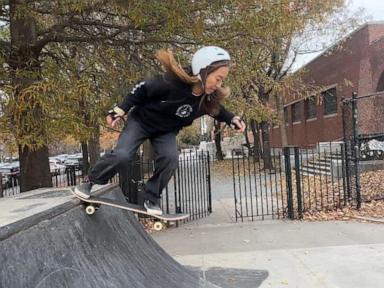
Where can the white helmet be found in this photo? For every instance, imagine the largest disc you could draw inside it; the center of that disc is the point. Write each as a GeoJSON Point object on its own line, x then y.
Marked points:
{"type": "Point", "coordinates": [206, 56]}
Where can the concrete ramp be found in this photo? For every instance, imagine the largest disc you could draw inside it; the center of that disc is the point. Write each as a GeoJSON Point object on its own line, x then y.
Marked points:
{"type": "Point", "coordinates": [67, 248]}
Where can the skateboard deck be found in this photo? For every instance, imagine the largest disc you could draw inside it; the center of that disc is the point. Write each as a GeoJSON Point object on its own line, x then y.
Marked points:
{"type": "Point", "coordinates": [95, 200]}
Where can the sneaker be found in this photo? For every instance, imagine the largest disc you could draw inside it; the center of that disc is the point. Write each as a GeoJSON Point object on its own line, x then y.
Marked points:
{"type": "Point", "coordinates": [152, 208]}
{"type": "Point", "coordinates": [83, 190]}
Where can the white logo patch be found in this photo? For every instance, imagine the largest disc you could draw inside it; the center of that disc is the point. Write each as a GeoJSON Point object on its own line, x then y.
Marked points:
{"type": "Point", "coordinates": [184, 111]}
{"type": "Point", "coordinates": [137, 87]}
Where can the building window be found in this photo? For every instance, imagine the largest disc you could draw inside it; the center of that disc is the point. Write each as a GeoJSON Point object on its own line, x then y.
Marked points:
{"type": "Point", "coordinates": [380, 85]}
{"type": "Point", "coordinates": [310, 108]}
{"type": "Point", "coordinates": [286, 120]}
{"type": "Point", "coordinates": [296, 115]}
{"type": "Point", "coordinates": [330, 101]}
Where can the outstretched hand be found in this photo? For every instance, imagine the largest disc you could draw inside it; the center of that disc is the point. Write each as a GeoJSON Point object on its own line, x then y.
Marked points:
{"type": "Point", "coordinates": [238, 123]}
{"type": "Point", "coordinates": [112, 121]}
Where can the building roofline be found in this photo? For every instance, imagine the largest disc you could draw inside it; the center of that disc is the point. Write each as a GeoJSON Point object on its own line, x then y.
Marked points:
{"type": "Point", "coordinates": [342, 39]}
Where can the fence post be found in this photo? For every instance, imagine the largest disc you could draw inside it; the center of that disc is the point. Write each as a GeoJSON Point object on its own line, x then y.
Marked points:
{"type": "Point", "coordinates": [288, 175]}
{"type": "Point", "coordinates": [1, 186]}
{"type": "Point", "coordinates": [130, 178]}
{"type": "Point", "coordinates": [356, 147]}
{"type": "Point", "coordinates": [209, 183]}
{"type": "Point", "coordinates": [344, 172]}
{"type": "Point", "coordinates": [71, 176]}
{"type": "Point", "coordinates": [347, 139]}
{"type": "Point", "coordinates": [298, 184]}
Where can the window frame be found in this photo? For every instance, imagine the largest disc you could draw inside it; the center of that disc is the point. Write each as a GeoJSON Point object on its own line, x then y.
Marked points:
{"type": "Point", "coordinates": [286, 115]}
{"type": "Point", "coordinates": [293, 109]}
{"type": "Point", "coordinates": [334, 107]}
{"type": "Point", "coordinates": [307, 101]}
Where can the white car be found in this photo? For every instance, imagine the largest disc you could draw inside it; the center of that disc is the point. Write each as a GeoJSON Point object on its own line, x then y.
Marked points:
{"type": "Point", "coordinates": [372, 150]}
{"type": "Point", "coordinates": [56, 168]}
{"type": "Point", "coordinates": [62, 157]}
{"type": "Point", "coordinates": [4, 181]}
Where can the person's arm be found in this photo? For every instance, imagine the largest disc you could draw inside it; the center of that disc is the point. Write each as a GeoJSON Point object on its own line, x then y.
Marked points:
{"type": "Point", "coordinates": [228, 117]}
{"type": "Point", "coordinates": [224, 115]}
{"type": "Point", "coordinates": [141, 93]}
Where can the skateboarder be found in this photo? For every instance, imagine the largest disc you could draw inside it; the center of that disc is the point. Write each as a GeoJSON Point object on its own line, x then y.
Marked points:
{"type": "Point", "coordinates": [157, 109]}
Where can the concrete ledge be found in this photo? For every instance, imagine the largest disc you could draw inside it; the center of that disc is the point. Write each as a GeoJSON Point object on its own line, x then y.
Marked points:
{"type": "Point", "coordinates": [63, 247]}
{"type": "Point", "coordinates": [369, 219]}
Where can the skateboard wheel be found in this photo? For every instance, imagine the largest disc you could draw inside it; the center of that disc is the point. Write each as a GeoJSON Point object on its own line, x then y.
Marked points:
{"type": "Point", "coordinates": [158, 226]}
{"type": "Point", "coordinates": [90, 210]}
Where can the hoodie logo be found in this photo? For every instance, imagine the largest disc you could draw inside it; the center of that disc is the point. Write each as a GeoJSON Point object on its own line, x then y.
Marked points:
{"type": "Point", "coordinates": [137, 87]}
{"type": "Point", "coordinates": [184, 111]}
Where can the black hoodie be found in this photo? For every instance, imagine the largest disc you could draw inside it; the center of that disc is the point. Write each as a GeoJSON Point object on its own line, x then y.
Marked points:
{"type": "Point", "coordinates": [165, 104]}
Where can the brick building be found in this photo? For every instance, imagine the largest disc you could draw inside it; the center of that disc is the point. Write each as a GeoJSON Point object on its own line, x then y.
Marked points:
{"type": "Point", "coordinates": [356, 64]}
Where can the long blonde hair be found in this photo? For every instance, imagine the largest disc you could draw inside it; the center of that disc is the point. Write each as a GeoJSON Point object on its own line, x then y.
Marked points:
{"type": "Point", "coordinates": [170, 65]}
{"type": "Point", "coordinates": [210, 103]}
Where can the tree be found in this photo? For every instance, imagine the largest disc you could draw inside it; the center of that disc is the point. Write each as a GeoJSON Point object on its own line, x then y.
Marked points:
{"type": "Point", "coordinates": [218, 137]}
{"type": "Point", "coordinates": [30, 36]}
{"type": "Point", "coordinates": [190, 135]}
{"type": "Point", "coordinates": [268, 37]}
{"type": "Point", "coordinates": [42, 96]}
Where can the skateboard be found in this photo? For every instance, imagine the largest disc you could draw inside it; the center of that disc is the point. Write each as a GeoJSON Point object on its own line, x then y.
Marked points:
{"type": "Point", "coordinates": [93, 203]}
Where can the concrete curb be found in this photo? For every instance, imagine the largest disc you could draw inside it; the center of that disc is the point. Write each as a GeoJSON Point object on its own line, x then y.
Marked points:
{"type": "Point", "coordinates": [369, 219]}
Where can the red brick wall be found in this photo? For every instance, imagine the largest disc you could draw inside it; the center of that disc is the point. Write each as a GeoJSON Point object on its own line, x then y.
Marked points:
{"type": "Point", "coordinates": [371, 115]}
{"type": "Point", "coordinates": [357, 62]}
{"type": "Point", "coordinates": [375, 59]}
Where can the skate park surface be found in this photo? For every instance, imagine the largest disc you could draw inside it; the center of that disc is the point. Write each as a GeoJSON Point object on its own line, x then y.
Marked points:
{"type": "Point", "coordinates": [48, 241]}
{"type": "Point", "coordinates": [63, 247]}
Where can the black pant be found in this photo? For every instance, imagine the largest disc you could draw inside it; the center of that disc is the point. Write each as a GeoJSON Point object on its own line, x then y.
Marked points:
{"type": "Point", "coordinates": [130, 139]}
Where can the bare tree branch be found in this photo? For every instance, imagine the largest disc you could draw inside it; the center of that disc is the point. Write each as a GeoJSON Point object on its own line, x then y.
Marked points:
{"type": "Point", "coordinates": [289, 67]}
{"type": "Point", "coordinates": [49, 10]}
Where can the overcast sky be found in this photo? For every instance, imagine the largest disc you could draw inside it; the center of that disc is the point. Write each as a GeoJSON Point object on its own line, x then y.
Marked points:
{"type": "Point", "coordinates": [374, 11]}
{"type": "Point", "coordinates": [373, 8]}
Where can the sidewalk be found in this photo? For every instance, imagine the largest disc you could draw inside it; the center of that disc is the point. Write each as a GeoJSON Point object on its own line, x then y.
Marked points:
{"type": "Point", "coordinates": [286, 253]}
{"type": "Point", "coordinates": [277, 253]}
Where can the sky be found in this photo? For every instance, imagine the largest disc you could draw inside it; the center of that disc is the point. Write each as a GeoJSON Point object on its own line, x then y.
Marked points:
{"type": "Point", "coordinates": [374, 11]}
{"type": "Point", "coordinates": [374, 8]}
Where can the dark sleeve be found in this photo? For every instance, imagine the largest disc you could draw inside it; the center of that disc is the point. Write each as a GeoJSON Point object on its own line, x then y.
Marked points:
{"type": "Point", "coordinates": [224, 115]}
{"type": "Point", "coordinates": [143, 92]}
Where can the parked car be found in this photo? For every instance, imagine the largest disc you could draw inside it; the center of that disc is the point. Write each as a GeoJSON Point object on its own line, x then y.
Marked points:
{"type": "Point", "coordinates": [11, 159]}
{"type": "Point", "coordinates": [61, 158]}
{"type": "Point", "coordinates": [75, 161]}
{"type": "Point", "coordinates": [9, 174]}
{"type": "Point", "coordinates": [11, 169]}
{"type": "Point", "coordinates": [4, 181]}
{"type": "Point", "coordinates": [372, 150]}
{"type": "Point", "coordinates": [186, 154]}
{"type": "Point", "coordinates": [56, 168]}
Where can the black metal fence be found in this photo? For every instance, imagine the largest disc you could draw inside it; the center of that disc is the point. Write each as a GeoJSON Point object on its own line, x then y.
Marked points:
{"type": "Point", "coordinates": [258, 193]}
{"type": "Point", "coordinates": [326, 178]}
{"type": "Point", "coordinates": [189, 190]}
{"type": "Point", "coordinates": [301, 180]}
{"type": "Point", "coordinates": [363, 126]}
{"type": "Point", "coordinates": [69, 177]}
{"type": "Point", "coordinates": [315, 179]}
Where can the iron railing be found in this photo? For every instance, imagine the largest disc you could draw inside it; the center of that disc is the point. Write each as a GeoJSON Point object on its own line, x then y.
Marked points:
{"type": "Point", "coordinates": [301, 180]}
{"type": "Point", "coordinates": [258, 193]}
{"type": "Point", "coordinates": [188, 191]}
